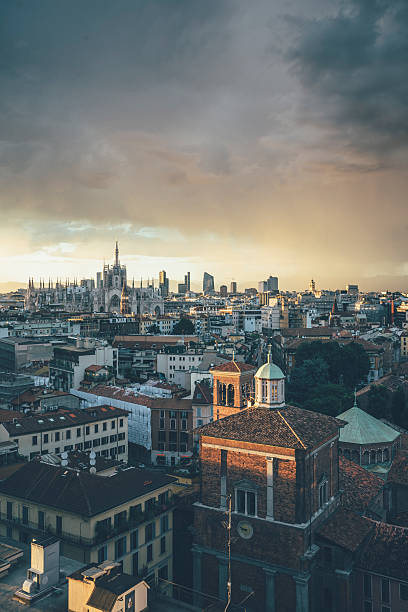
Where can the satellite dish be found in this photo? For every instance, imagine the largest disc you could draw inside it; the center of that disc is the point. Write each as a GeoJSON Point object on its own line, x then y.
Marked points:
{"type": "Point", "coordinates": [92, 455]}
{"type": "Point", "coordinates": [92, 462]}
{"type": "Point", "coordinates": [64, 455]}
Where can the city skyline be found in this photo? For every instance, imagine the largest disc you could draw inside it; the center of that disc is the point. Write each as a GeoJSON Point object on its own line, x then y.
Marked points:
{"type": "Point", "coordinates": [200, 134]}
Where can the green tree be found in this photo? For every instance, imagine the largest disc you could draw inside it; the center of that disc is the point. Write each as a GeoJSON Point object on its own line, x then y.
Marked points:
{"type": "Point", "coordinates": [378, 402]}
{"type": "Point", "coordinates": [399, 409]}
{"type": "Point", "coordinates": [306, 377]}
{"type": "Point", "coordinates": [184, 327]}
{"type": "Point", "coordinates": [355, 364]}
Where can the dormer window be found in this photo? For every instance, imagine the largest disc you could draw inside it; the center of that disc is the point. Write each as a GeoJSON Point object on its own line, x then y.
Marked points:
{"type": "Point", "coordinates": [245, 498]}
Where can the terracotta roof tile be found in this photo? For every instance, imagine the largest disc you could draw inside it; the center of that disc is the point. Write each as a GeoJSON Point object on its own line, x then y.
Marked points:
{"type": "Point", "coordinates": [233, 366]}
{"type": "Point", "coordinates": [398, 473]}
{"type": "Point", "coordinates": [359, 486]}
{"type": "Point", "coordinates": [346, 529]}
{"type": "Point", "coordinates": [289, 427]}
{"type": "Point", "coordinates": [385, 551]}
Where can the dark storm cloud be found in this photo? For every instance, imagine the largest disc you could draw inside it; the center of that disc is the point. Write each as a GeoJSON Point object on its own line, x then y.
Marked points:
{"type": "Point", "coordinates": [356, 64]}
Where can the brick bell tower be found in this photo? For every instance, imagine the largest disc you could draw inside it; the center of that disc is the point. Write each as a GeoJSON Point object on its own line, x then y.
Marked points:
{"type": "Point", "coordinates": [233, 387]}
{"type": "Point", "coordinates": [271, 471]}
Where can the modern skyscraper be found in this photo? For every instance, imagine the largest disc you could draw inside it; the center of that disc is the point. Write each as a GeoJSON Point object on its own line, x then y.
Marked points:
{"type": "Point", "coordinates": [233, 287]}
{"type": "Point", "coordinates": [270, 284]}
{"type": "Point", "coordinates": [208, 283]}
{"type": "Point", "coordinates": [163, 283]}
{"type": "Point", "coordinates": [223, 291]}
{"type": "Point", "coordinates": [187, 281]}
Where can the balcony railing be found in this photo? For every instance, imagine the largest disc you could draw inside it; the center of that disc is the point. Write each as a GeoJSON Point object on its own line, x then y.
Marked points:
{"type": "Point", "coordinates": [102, 532]}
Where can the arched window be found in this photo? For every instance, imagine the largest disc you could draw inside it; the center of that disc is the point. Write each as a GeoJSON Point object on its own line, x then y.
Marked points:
{"type": "Point", "coordinates": [386, 455]}
{"type": "Point", "coordinates": [221, 394]}
{"type": "Point", "coordinates": [379, 456]}
{"type": "Point", "coordinates": [366, 458]}
{"type": "Point", "coordinates": [230, 395]}
{"type": "Point", "coordinates": [264, 390]}
{"type": "Point", "coordinates": [355, 456]}
{"type": "Point", "coordinates": [372, 456]}
{"type": "Point", "coordinates": [323, 491]}
{"type": "Point", "coordinates": [245, 498]}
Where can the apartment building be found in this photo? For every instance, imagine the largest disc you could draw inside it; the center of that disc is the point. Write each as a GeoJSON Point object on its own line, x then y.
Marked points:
{"type": "Point", "coordinates": [172, 431]}
{"type": "Point", "coordinates": [169, 363]}
{"type": "Point", "coordinates": [103, 429]}
{"type": "Point", "coordinates": [67, 368]}
{"type": "Point", "coordinates": [126, 517]}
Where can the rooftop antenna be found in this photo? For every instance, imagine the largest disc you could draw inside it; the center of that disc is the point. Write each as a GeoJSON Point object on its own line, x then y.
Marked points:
{"type": "Point", "coordinates": [269, 353]}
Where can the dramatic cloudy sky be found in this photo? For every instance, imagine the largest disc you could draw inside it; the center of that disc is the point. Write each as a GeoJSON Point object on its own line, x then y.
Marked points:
{"type": "Point", "coordinates": [242, 138]}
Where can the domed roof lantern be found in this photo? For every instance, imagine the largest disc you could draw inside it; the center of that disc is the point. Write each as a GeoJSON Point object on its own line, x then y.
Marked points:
{"type": "Point", "coordinates": [269, 385]}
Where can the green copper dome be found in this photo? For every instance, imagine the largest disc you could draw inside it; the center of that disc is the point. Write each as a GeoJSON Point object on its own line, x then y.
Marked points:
{"type": "Point", "coordinates": [269, 370]}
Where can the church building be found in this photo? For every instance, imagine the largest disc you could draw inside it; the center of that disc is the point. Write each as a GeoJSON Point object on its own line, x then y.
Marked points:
{"type": "Point", "coordinates": [272, 471]}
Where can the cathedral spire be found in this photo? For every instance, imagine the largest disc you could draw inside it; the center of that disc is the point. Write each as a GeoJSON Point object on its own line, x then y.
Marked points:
{"type": "Point", "coordinates": [116, 254]}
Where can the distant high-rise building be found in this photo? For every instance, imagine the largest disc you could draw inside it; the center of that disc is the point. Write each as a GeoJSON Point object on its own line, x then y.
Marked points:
{"type": "Point", "coordinates": [352, 289]}
{"type": "Point", "coordinates": [233, 287]}
{"type": "Point", "coordinates": [163, 283]}
{"type": "Point", "coordinates": [270, 284]}
{"type": "Point", "coordinates": [312, 286]}
{"type": "Point", "coordinates": [187, 281]}
{"type": "Point", "coordinates": [223, 291]}
{"type": "Point", "coordinates": [99, 280]}
{"type": "Point", "coordinates": [208, 283]}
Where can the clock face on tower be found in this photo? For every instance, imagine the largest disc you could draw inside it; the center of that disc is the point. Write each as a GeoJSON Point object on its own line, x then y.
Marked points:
{"type": "Point", "coordinates": [245, 530]}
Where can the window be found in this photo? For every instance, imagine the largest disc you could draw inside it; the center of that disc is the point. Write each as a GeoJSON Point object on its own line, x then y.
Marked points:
{"type": "Point", "coordinates": [25, 515]}
{"type": "Point", "coordinates": [68, 447]}
{"type": "Point", "coordinates": [172, 436]}
{"type": "Point", "coordinates": [134, 539]}
{"type": "Point", "coordinates": [78, 432]}
{"type": "Point", "coordinates": [104, 426]}
{"type": "Point", "coordinates": [87, 430]}
{"type": "Point", "coordinates": [164, 523]}
{"type": "Point", "coordinates": [113, 424]}
{"type": "Point", "coordinates": [87, 444]}
{"type": "Point", "coordinates": [135, 564]}
{"type": "Point", "coordinates": [120, 547]}
{"type": "Point", "coordinates": [161, 423]}
{"type": "Point", "coordinates": [403, 591]}
{"type": "Point", "coordinates": [264, 390]}
{"type": "Point", "coordinates": [163, 572]}
{"type": "Point", "coordinates": [149, 553]}
{"type": "Point", "coordinates": [102, 554]}
{"type": "Point", "coordinates": [119, 519]}
{"type": "Point", "coordinates": [245, 502]}
{"type": "Point", "coordinates": [163, 545]}
{"type": "Point", "coordinates": [57, 436]}
{"type": "Point", "coordinates": [96, 427]}
{"type": "Point", "coordinates": [105, 439]}
{"type": "Point", "coordinates": [57, 450]}
{"type": "Point", "coordinates": [385, 590]}
{"type": "Point", "coordinates": [34, 440]}
{"type": "Point", "coordinates": [323, 492]}
{"type": "Point", "coordinates": [120, 422]}
{"type": "Point", "coordinates": [164, 498]}
{"type": "Point", "coordinates": [45, 438]}
{"type": "Point", "coordinates": [172, 423]}
{"type": "Point", "coordinates": [121, 450]}
{"type": "Point", "coordinates": [367, 585]}
{"type": "Point", "coordinates": [41, 520]}
{"type": "Point", "coordinates": [96, 442]}
{"type": "Point", "coordinates": [113, 438]}
{"type": "Point", "coordinates": [68, 434]}
{"type": "Point", "coordinates": [121, 436]}
{"type": "Point", "coordinates": [58, 525]}
{"type": "Point", "coordinates": [150, 532]}
{"type": "Point", "coordinates": [162, 414]}
{"type": "Point", "coordinates": [183, 424]}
